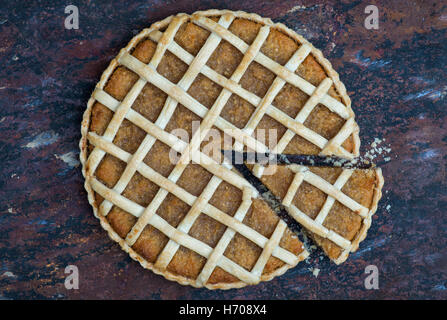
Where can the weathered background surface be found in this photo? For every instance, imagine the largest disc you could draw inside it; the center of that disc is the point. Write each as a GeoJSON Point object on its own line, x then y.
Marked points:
{"type": "Point", "coordinates": [396, 77]}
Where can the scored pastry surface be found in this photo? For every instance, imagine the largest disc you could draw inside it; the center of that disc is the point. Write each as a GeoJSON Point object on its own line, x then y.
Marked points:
{"type": "Point", "coordinates": [199, 222]}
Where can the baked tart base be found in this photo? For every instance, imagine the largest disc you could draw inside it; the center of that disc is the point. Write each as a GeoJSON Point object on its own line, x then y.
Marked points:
{"type": "Point", "coordinates": [203, 224]}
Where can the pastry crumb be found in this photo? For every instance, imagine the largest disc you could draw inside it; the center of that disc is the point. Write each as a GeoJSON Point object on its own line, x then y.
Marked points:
{"type": "Point", "coordinates": [378, 150]}
{"type": "Point", "coordinates": [315, 272]}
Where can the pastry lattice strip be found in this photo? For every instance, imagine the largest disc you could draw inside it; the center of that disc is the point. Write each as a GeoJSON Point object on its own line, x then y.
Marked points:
{"type": "Point", "coordinates": [296, 126]}
{"type": "Point", "coordinates": [272, 92]}
{"type": "Point", "coordinates": [123, 108]}
{"type": "Point", "coordinates": [148, 73]}
{"type": "Point", "coordinates": [208, 120]}
{"type": "Point", "coordinates": [177, 235]}
{"type": "Point", "coordinates": [302, 115]}
{"type": "Point", "coordinates": [333, 193]}
{"type": "Point", "coordinates": [249, 128]}
{"type": "Point", "coordinates": [203, 199]}
{"type": "Point", "coordinates": [284, 74]}
{"type": "Point", "coordinates": [275, 113]}
{"type": "Point", "coordinates": [170, 104]}
{"type": "Point", "coordinates": [171, 248]}
{"type": "Point", "coordinates": [220, 170]}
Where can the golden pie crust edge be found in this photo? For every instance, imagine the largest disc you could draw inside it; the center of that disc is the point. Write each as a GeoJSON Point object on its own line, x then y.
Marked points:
{"type": "Point", "coordinates": [111, 68]}
{"type": "Point", "coordinates": [366, 223]}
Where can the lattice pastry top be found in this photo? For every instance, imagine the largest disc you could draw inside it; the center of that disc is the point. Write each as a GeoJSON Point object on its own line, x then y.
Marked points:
{"type": "Point", "coordinates": [195, 220]}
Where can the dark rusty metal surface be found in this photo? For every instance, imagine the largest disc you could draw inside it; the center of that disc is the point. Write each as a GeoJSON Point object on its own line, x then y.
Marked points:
{"type": "Point", "coordinates": [395, 75]}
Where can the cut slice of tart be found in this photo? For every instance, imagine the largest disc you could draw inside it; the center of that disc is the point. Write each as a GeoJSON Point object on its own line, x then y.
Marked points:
{"type": "Point", "coordinates": [334, 205]}
{"type": "Point", "coordinates": [170, 204]}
